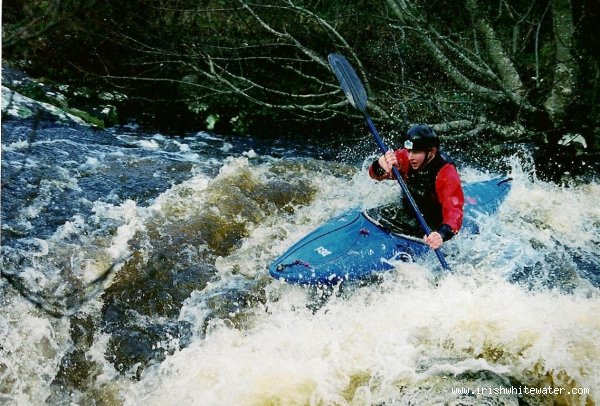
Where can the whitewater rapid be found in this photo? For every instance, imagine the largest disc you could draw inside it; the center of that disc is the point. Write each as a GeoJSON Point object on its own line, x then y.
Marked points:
{"type": "Point", "coordinates": [506, 317]}
{"type": "Point", "coordinates": [187, 314]}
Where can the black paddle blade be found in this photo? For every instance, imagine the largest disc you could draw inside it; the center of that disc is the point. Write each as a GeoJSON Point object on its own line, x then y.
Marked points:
{"type": "Point", "coordinates": [349, 81]}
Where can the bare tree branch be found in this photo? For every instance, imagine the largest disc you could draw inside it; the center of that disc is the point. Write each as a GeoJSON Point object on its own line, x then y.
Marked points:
{"type": "Point", "coordinates": [503, 93]}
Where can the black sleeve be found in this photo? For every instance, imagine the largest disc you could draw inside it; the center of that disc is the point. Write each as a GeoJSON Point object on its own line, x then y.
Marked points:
{"type": "Point", "coordinates": [446, 232]}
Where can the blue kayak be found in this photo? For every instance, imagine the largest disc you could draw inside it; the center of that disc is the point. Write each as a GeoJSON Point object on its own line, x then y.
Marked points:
{"type": "Point", "coordinates": [359, 243]}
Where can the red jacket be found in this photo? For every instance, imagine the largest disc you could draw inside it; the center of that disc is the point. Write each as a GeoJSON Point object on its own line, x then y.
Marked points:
{"type": "Point", "coordinates": [440, 192]}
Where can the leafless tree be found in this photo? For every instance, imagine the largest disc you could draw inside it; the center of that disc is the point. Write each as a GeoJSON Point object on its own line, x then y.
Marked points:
{"type": "Point", "coordinates": [484, 67]}
{"type": "Point", "coordinates": [479, 73]}
{"type": "Point", "coordinates": [511, 68]}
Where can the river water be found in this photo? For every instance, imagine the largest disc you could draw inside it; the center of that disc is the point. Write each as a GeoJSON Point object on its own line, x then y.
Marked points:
{"type": "Point", "coordinates": [134, 272]}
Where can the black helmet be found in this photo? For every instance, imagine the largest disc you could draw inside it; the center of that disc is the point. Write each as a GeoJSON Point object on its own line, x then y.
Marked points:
{"type": "Point", "coordinates": [421, 138]}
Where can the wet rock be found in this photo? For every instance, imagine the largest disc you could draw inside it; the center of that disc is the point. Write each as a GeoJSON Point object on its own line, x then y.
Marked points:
{"type": "Point", "coordinates": [24, 97]}
{"type": "Point", "coordinates": [77, 373]}
{"type": "Point", "coordinates": [141, 306]}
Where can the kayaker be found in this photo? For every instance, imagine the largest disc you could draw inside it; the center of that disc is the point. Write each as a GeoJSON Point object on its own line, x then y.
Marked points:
{"type": "Point", "coordinates": [432, 180]}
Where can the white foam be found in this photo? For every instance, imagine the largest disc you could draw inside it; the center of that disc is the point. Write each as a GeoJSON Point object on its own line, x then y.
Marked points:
{"type": "Point", "coordinates": [385, 338]}
{"type": "Point", "coordinates": [251, 154]}
{"type": "Point", "coordinates": [132, 218]}
{"type": "Point", "coordinates": [149, 144]}
{"type": "Point", "coordinates": [17, 145]}
{"type": "Point", "coordinates": [32, 347]}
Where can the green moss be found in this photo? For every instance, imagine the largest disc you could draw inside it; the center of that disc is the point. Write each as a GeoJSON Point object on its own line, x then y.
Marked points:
{"type": "Point", "coordinates": [111, 117]}
{"type": "Point", "coordinates": [88, 118]}
{"type": "Point", "coordinates": [32, 90]}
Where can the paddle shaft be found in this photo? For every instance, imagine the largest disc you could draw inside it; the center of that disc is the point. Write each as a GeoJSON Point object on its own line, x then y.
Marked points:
{"type": "Point", "coordinates": [402, 184]}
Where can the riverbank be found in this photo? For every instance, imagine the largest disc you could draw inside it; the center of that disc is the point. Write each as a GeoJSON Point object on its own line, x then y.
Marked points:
{"type": "Point", "coordinates": [25, 97]}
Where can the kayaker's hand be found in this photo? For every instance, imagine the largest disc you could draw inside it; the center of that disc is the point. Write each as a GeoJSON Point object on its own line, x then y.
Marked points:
{"type": "Point", "coordinates": [387, 161]}
{"type": "Point", "coordinates": [434, 240]}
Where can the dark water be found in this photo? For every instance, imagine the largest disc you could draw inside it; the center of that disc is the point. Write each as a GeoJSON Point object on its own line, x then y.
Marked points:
{"type": "Point", "coordinates": [134, 271]}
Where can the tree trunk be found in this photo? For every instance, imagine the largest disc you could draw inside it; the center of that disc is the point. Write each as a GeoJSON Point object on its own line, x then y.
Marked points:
{"type": "Point", "coordinates": [565, 66]}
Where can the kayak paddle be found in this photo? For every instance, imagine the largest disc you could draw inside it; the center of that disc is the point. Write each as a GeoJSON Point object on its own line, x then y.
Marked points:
{"type": "Point", "coordinates": [357, 96]}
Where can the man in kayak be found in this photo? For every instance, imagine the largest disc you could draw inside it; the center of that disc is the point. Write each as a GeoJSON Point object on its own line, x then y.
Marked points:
{"type": "Point", "coordinates": [432, 180]}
